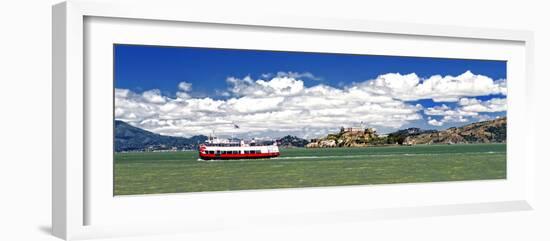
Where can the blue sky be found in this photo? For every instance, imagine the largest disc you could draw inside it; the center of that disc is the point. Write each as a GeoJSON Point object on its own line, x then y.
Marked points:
{"type": "Point", "coordinates": [143, 68]}
{"type": "Point", "coordinates": [140, 67]}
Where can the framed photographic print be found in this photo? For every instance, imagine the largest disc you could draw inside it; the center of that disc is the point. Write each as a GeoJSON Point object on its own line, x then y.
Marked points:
{"type": "Point", "coordinates": [191, 119]}
{"type": "Point", "coordinates": [189, 122]}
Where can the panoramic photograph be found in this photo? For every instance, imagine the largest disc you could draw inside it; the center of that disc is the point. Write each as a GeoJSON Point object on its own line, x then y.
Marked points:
{"type": "Point", "coordinates": [190, 119]}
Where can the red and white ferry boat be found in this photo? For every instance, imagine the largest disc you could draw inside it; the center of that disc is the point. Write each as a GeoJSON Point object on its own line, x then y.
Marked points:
{"type": "Point", "coordinates": [223, 149]}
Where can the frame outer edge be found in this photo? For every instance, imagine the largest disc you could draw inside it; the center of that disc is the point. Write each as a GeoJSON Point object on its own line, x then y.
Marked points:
{"type": "Point", "coordinates": [531, 87]}
{"type": "Point", "coordinates": [59, 115]}
{"type": "Point", "coordinates": [68, 87]}
{"type": "Point", "coordinates": [67, 121]}
{"type": "Point", "coordinates": [75, 119]}
{"type": "Point", "coordinates": [172, 11]}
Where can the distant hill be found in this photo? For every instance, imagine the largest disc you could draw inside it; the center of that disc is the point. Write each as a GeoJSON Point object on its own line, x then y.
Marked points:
{"type": "Point", "coordinates": [131, 138]}
{"type": "Point", "coordinates": [493, 131]}
{"type": "Point", "coordinates": [400, 136]}
{"type": "Point", "coordinates": [292, 141]}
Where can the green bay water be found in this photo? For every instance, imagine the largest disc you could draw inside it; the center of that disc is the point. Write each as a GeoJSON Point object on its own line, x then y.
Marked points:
{"type": "Point", "coordinates": [175, 172]}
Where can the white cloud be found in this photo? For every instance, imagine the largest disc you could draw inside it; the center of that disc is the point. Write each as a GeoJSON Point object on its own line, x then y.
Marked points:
{"type": "Point", "coordinates": [154, 96]}
{"type": "Point", "coordinates": [290, 74]}
{"type": "Point", "coordinates": [439, 88]}
{"type": "Point", "coordinates": [185, 86]}
{"type": "Point", "coordinates": [485, 117]}
{"type": "Point", "coordinates": [475, 105]}
{"type": "Point", "coordinates": [296, 75]}
{"type": "Point", "coordinates": [249, 105]}
{"type": "Point", "coordinates": [278, 86]}
{"type": "Point", "coordinates": [467, 108]}
{"type": "Point", "coordinates": [455, 119]}
{"type": "Point", "coordinates": [435, 122]}
{"type": "Point", "coordinates": [444, 110]}
{"type": "Point", "coordinates": [284, 105]}
{"type": "Point", "coordinates": [263, 107]}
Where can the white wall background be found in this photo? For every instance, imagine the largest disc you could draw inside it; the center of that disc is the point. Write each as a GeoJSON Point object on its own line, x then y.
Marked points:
{"type": "Point", "coordinates": [25, 120]}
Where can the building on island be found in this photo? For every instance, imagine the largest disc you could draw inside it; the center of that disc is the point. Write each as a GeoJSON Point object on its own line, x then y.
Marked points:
{"type": "Point", "coordinates": [356, 130]}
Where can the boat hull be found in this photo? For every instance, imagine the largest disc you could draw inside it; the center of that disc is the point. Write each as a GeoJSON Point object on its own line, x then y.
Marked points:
{"type": "Point", "coordinates": [237, 156]}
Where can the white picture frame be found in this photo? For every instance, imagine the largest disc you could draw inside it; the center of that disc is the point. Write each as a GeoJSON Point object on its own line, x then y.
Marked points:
{"type": "Point", "coordinates": [74, 189]}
